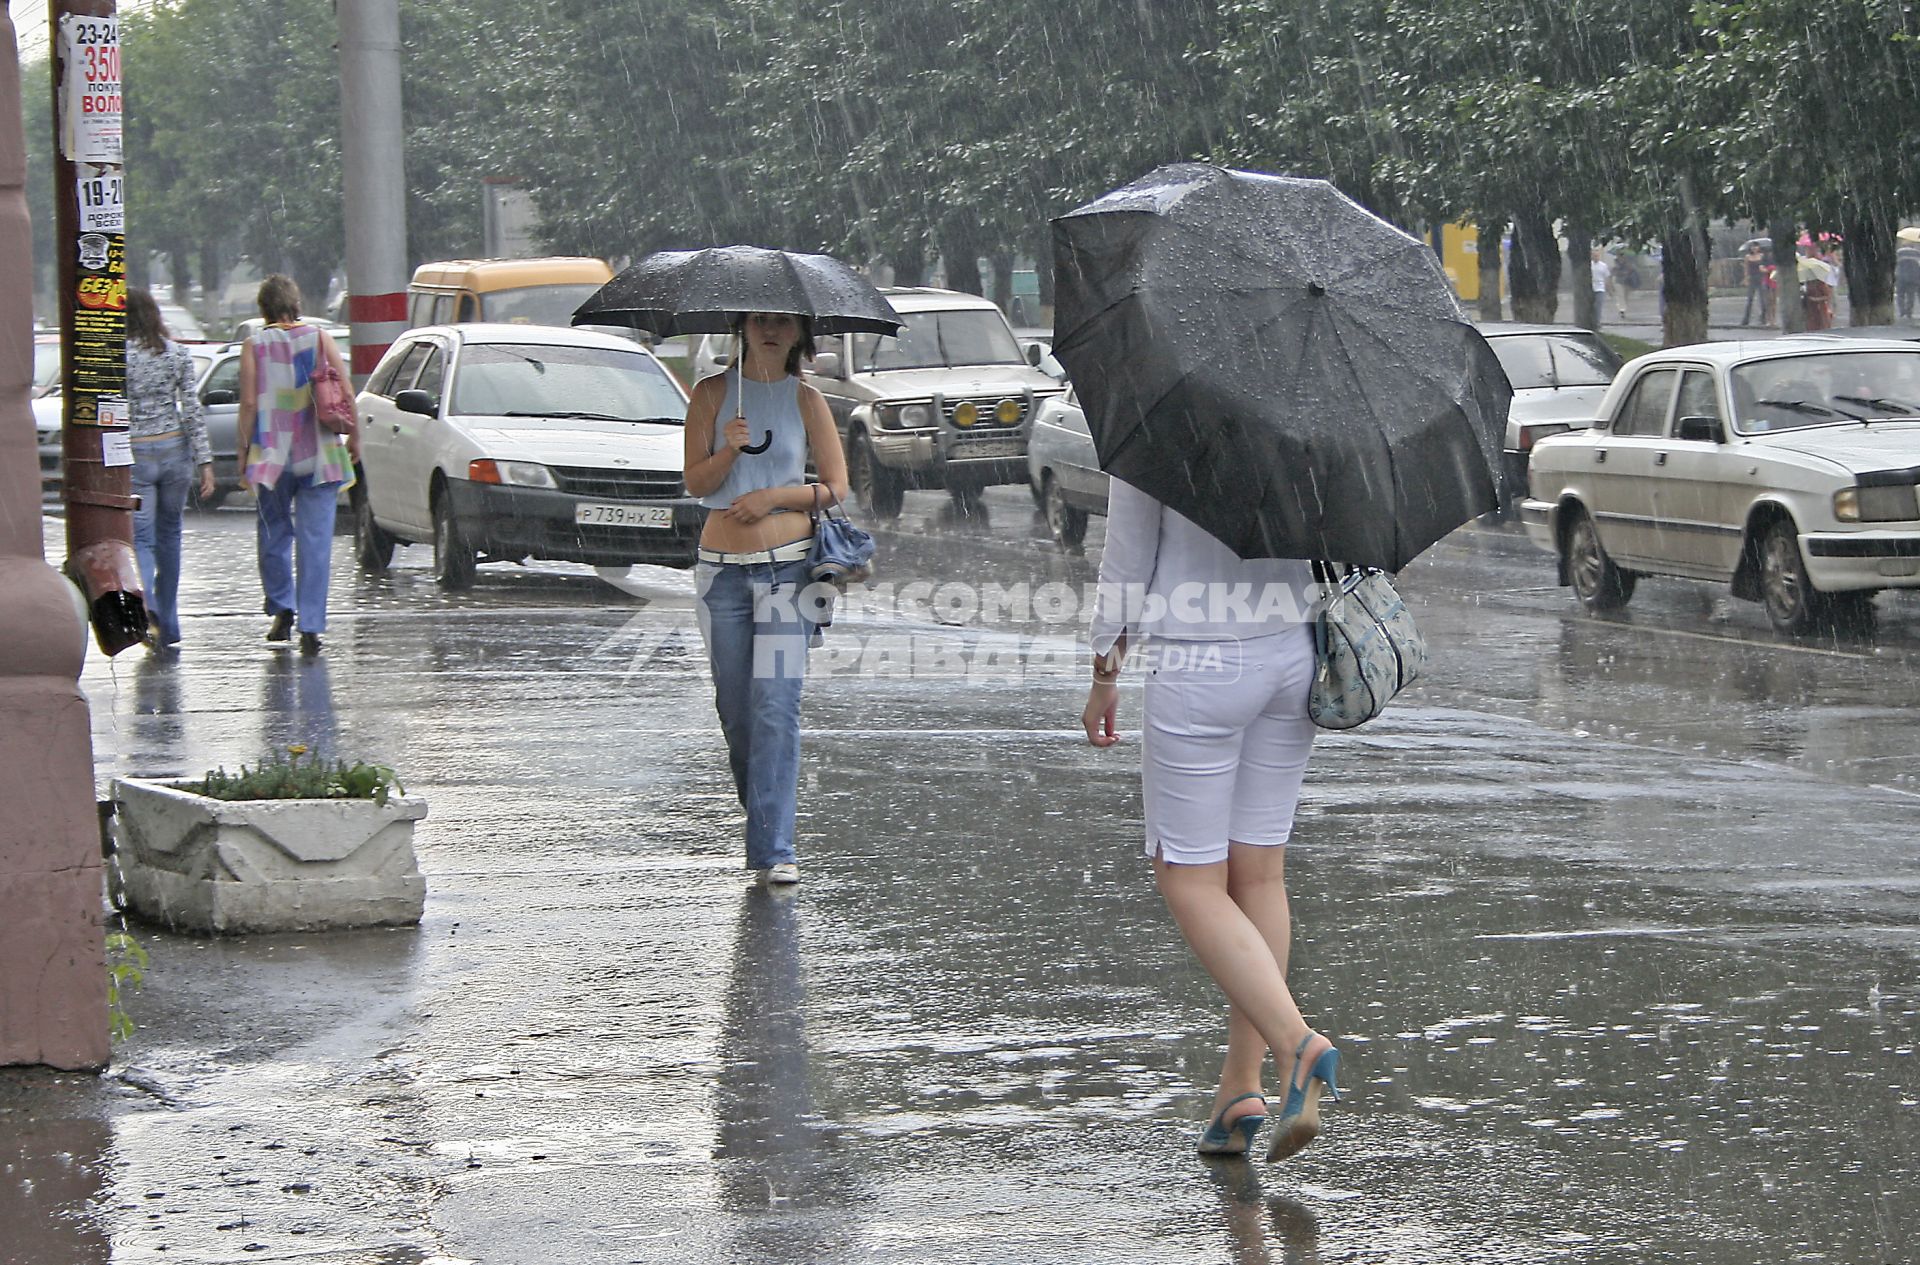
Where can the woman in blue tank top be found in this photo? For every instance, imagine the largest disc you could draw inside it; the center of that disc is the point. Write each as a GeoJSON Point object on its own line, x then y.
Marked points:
{"type": "Point", "coordinates": [749, 470]}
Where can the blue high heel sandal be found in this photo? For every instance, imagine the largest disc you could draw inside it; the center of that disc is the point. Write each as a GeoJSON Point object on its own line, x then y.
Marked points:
{"type": "Point", "coordinates": [1221, 1138]}
{"type": "Point", "coordinates": [1299, 1121]}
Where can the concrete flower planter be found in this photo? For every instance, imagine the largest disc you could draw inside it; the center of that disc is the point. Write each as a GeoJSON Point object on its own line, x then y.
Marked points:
{"type": "Point", "coordinates": [236, 866]}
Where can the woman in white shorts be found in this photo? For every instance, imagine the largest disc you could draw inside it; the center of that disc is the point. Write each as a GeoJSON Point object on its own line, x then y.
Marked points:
{"type": "Point", "coordinates": [1228, 661]}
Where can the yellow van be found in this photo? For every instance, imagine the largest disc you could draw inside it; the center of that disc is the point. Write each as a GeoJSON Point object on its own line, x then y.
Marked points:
{"type": "Point", "coordinates": [517, 291]}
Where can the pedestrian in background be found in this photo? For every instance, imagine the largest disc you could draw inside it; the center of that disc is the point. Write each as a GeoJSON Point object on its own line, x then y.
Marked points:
{"type": "Point", "coordinates": [169, 434]}
{"type": "Point", "coordinates": [1753, 264]}
{"type": "Point", "coordinates": [1226, 738]}
{"type": "Point", "coordinates": [296, 467]}
{"type": "Point", "coordinates": [1602, 276]}
{"type": "Point", "coordinates": [750, 473]}
{"type": "Point", "coordinates": [1816, 292]}
{"type": "Point", "coordinates": [1906, 279]}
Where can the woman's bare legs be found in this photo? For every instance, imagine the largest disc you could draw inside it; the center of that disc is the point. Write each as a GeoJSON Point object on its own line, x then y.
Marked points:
{"type": "Point", "coordinates": [1235, 917]}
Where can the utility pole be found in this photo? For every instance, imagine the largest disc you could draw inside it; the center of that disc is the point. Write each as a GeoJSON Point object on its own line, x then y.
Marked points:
{"type": "Point", "coordinates": [373, 147]}
{"type": "Point", "coordinates": [53, 976]}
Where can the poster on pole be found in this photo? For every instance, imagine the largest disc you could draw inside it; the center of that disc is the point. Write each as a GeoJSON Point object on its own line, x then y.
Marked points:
{"type": "Point", "coordinates": [90, 104]}
{"type": "Point", "coordinates": [99, 373]}
{"type": "Point", "coordinates": [102, 200]}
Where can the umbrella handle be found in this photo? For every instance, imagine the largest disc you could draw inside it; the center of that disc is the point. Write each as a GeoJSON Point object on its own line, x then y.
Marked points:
{"type": "Point", "coordinates": [766, 441]}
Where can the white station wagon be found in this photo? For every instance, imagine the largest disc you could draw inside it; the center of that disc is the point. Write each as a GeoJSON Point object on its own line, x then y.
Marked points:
{"type": "Point", "coordinates": [507, 442]}
{"type": "Point", "coordinates": [1785, 468]}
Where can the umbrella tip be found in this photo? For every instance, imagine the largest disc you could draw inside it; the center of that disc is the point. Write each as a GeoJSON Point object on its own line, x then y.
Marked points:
{"type": "Point", "coordinates": [1316, 289]}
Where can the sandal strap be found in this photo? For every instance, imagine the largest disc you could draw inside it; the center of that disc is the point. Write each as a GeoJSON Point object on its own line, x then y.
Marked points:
{"type": "Point", "coordinates": [1222, 1117]}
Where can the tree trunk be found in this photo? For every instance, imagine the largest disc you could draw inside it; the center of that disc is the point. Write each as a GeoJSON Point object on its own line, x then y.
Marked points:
{"type": "Point", "coordinates": [1535, 268]}
{"type": "Point", "coordinates": [181, 273]}
{"type": "Point", "coordinates": [1586, 304]}
{"type": "Point", "coordinates": [213, 283]}
{"type": "Point", "coordinates": [1867, 228]}
{"type": "Point", "coordinates": [1490, 269]}
{"type": "Point", "coordinates": [1683, 286]}
{"type": "Point", "coordinates": [1002, 262]}
{"type": "Point", "coordinates": [910, 263]}
{"type": "Point", "coordinates": [1042, 245]}
{"type": "Point", "coordinates": [1791, 316]}
{"type": "Point", "coordinates": [960, 254]}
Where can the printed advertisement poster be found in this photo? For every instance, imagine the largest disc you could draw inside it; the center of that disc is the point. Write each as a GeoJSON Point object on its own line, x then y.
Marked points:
{"type": "Point", "coordinates": [90, 106]}
{"type": "Point", "coordinates": [103, 204]}
{"type": "Point", "coordinates": [99, 327]}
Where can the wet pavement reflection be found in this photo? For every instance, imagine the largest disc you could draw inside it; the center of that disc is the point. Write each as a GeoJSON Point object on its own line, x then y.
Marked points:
{"type": "Point", "coordinates": [1614, 921]}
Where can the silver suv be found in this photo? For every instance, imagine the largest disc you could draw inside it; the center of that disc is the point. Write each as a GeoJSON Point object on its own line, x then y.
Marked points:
{"type": "Point", "coordinates": [947, 404]}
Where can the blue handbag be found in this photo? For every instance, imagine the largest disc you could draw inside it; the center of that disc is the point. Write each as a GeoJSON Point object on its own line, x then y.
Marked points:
{"type": "Point", "coordinates": [842, 553]}
{"type": "Point", "coordinates": [1365, 646]}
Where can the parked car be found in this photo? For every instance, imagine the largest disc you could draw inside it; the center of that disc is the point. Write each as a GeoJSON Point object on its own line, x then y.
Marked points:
{"type": "Point", "coordinates": [182, 324]}
{"type": "Point", "coordinates": [46, 364]}
{"type": "Point", "coordinates": [1063, 468]}
{"type": "Point", "coordinates": [218, 387]}
{"type": "Point", "coordinates": [1560, 373]}
{"type": "Point", "coordinates": [506, 442]}
{"type": "Point", "coordinates": [1786, 468]}
{"type": "Point", "coordinates": [541, 291]}
{"type": "Point", "coordinates": [947, 404]}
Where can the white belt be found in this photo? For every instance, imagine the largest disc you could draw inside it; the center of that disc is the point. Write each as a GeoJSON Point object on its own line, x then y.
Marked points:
{"type": "Point", "coordinates": [793, 551]}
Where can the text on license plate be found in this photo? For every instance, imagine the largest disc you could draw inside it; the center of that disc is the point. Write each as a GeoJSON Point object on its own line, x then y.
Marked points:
{"type": "Point", "coordinates": [624, 515]}
{"type": "Point", "coordinates": [988, 448]}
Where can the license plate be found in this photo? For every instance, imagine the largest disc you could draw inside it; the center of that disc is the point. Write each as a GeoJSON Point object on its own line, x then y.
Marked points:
{"type": "Point", "coordinates": [623, 515]}
{"type": "Point", "coordinates": [988, 448]}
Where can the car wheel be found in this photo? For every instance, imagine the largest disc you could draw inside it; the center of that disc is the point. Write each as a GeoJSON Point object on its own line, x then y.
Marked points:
{"type": "Point", "coordinates": [372, 546]}
{"type": "Point", "coordinates": [1600, 585]}
{"type": "Point", "coordinates": [1069, 525]}
{"type": "Point", "coordinates": [881, 490]}
{"type": "Point", "coordinates": [1793, 604]}
{"type": "Point", "coordinates": [453, 560]}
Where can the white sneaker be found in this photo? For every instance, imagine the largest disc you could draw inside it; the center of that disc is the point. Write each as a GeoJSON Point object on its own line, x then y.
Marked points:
{"type": "Point", "coordinates": [787, 874]}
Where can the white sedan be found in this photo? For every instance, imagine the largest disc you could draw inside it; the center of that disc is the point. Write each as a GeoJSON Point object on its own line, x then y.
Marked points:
{"type": "Point", "coordinates": [507, 442]}
{"type": "Point", "coordinates": [1788, 469]}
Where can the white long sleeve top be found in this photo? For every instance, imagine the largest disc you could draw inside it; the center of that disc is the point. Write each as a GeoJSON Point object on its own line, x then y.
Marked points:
{"type": "Point", "coordinates": [1164, 576]}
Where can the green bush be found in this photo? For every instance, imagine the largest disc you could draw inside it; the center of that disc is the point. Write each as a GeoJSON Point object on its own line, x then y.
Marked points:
{"type": "Point", "coordinates": [291, 777]}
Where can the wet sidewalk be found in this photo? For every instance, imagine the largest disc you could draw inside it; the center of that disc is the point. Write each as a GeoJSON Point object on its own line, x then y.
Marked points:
{"type": "Point", "coordinates": [1599, 999]}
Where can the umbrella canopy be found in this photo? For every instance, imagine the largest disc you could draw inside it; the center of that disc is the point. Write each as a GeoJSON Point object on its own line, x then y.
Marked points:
{"type": "Point", "coordinates": [1911, 233]}
{"type": "Point", "coordinates": [1276, 363]}
{"type": "Point", "coordinates": [703, 291]}
{"type": "Point", "coordinates": [1811, 269]}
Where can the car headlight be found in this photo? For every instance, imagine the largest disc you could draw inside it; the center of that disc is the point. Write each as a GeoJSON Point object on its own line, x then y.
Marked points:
{"type": "Point", "coordinates": [526, 474]}
{"type": "Point", "coordinates": [1894, 503]}
{"type": "Point", "coordinates": [899, 416]}
{"type": "Point", "coordinates": [1007, 412]}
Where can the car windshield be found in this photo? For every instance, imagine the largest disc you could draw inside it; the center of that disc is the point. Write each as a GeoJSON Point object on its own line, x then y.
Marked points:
{"type": "Point", "coordinates": [536, 380]}
{"type": "Point", "coordinates": [535, 305]}
{"type": "Point", "coordinates": [1555, 360]}
{"type": "Point", "coordinates": [1795, 392]}
{"type": "Point", "coordinates": [937, 340]}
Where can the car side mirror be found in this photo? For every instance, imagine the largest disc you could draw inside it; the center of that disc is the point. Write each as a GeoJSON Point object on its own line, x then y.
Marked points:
{"type": "Point", "coordinates": [1034, 354]}
{"type": "Point", "coordinates": [414, 400]}
{"type": "Point", "coordinates": [212, 398]}
{"type": "Point", "coordinates": [1701, 430]}
{"type": "Point", "coordinates": [827, 364]}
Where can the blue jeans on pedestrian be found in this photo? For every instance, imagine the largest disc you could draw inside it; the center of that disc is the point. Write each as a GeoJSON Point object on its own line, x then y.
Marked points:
{"type": "Point", "coordinates": [756, 629]}
{"type": "Point", "coordinates": [162, 469]}
{"type": "Point", "coordinates": [295, 536]}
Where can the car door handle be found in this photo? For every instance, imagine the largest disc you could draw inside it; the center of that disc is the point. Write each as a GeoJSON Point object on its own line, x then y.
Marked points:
{"type": "Point", "coordinates": [1599, 455]}
{"type": "Point", "coordinates": [1659, 458]}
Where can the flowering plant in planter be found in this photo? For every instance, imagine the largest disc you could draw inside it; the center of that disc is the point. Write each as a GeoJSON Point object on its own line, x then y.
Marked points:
{"type": "Point", "coordinates": [290, 778]}
{"type": "Point", "coordinates": [291, 844]}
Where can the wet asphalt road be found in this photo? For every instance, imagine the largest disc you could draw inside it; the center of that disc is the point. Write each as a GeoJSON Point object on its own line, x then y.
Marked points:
{"type": "Point", "coordinates": [1614, 921]}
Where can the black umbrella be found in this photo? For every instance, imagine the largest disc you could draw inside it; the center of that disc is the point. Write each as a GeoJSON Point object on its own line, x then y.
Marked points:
{"type": "Point", "coordinates": [704, 291]}
{"type": "Point", "coordinates": [1276, 363]}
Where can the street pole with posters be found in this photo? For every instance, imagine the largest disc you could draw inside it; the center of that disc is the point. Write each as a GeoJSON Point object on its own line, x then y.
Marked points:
{"type": "Point", "coordinates": [53, 975]}
{"type": "Point", "coordinates": [91, 283]}
{"type": "Point", "coordinates": [374, 178]}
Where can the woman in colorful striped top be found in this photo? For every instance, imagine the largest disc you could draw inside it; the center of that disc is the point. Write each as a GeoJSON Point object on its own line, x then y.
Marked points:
{"type": "Point", "coordinates": [296, 468]}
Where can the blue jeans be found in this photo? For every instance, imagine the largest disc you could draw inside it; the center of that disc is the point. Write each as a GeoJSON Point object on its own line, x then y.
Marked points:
{"type": "Point", "coordinates": [161, 471]}
{"type": "Point", "coordinates": [295, 533]}
{"type": "Point", "coordinates": [756, 632]}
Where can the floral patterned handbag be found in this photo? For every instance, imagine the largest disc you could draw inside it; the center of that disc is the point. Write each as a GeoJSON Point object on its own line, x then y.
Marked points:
{"type": "Point", "coordinates": [1365, 646]}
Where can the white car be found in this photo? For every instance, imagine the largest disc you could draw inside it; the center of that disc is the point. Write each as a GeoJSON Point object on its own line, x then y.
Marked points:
{"type": "Point", "coordinates": [1063, 469]}
{"type": "Point", "coordinates": [1788, 469]}
{"type": "Point", "coordinates": [507, 442]}
{"type": "Point", "coordinates": [1560, 374]}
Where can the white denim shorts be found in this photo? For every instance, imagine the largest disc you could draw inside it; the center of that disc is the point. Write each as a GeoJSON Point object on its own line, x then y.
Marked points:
{"type": "Point", "coordinates": [1226, 742]}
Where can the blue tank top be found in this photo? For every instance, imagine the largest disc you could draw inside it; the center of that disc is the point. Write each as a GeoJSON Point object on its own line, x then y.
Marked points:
{"type": "Point", "coordinates": [771, 408]}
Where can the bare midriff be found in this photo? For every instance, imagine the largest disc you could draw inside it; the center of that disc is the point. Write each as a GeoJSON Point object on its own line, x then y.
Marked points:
{"type": "Point", "coordinates": [774, 530]}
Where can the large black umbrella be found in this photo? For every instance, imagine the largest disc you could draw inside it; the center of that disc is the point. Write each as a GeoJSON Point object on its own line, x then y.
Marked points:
{"type": "Point", "coordinates": [704, 291]}
{"type": "Point", "coordinates": [1278, 364]}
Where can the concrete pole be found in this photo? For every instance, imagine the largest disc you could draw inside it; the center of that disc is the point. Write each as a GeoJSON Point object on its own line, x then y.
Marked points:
{"type": "Point", "coordinates": [53, 976]}
{"type": "Point", "coordinates": [372, 141]}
